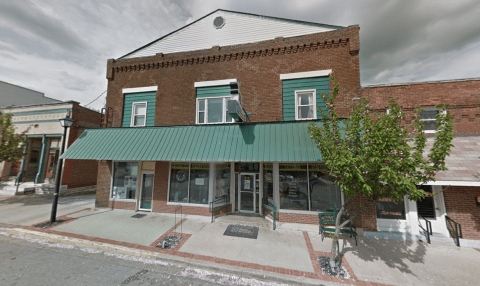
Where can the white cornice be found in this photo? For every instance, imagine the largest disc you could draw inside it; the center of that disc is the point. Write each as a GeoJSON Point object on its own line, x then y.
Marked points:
{"type": "Point", "coordinates": [215, 82]}
{"type": "Point", "coordinates": [140, 89]}
{"type": "Point", "coordinates": [305, 74]}
{"type": "Point", "coordinates": [454, 183]}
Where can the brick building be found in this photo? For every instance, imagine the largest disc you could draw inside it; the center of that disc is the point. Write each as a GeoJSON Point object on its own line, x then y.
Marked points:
{"type": "Point", "coordinates": [176, 135]}
{"type": "Point", "coordinates": [40, 116]}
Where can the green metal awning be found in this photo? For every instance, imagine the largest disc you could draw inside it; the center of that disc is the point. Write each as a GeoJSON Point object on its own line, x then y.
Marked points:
{"type": "Point", "coordinates": [259, 142]}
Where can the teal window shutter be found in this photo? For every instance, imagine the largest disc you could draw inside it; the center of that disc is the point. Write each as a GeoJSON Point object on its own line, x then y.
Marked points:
{"type": "Point", "coordinates": [290, 86]}
{"type": "Point", "coordinates": [130, 99]}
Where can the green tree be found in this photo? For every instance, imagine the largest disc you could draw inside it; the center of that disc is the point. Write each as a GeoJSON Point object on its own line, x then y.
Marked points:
{"type": "Point", "coordinates": [11, 144]}
{"type": "Point", "coordinates": [378, 156]}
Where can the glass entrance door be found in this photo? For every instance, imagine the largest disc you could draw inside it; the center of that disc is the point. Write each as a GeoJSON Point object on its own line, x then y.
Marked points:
{"type": "Point", "coordinates": [146, 192]}
{"type": "Point", "coordinates": [246, 194]}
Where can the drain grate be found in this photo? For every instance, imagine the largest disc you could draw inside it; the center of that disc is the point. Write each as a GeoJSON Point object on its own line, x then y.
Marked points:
{"type": "Point", "coordinates": [244, 231]}
{"type": "Point", "coordinates": [138, 215]}
{"type": "Point", "coordinates": [169, 242]}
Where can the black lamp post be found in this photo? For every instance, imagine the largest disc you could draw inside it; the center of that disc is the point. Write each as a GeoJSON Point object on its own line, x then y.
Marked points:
{"type": "Point", "coordinates": [65, 122]}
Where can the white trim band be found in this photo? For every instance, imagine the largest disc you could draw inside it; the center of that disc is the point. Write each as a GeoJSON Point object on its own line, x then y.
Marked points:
{"type": "Point", "coordinates": [305, 74]}
{"type": "Point", "coordinates": [140, 89]}
{"type": "Point", "coordinates": [454, 183]}
{"type": "Point", "coordinates": [214, 82]}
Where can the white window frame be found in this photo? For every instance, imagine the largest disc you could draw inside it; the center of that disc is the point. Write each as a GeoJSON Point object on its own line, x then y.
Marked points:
{"type": "Point", "coordinates": [205, 112]}
{"type": "Point", "coordinates": [440, 111]}
{"type": "Point", "coordinates": [132, 119]}
{"type": "Point", "coordinates": [314, 91]}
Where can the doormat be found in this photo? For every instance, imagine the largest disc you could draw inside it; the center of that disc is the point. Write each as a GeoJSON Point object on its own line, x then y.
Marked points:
{"type": "Point", "coordinates": [241, 231]}
{"type": "Point", "coordinates": [337, 271]}
{"type": "Point", "coordinates": [138, 215]}
{"type": "Point", "coordinates": [48, 224]}
{"type": "Point", "coordinates": [169, 242]}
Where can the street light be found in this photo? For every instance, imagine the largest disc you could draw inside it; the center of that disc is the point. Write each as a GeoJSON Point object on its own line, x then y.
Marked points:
{"type": "Point", "coordinates": [66, 122]}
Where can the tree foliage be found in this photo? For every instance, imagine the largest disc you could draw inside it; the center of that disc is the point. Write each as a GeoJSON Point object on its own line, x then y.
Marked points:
{"type": "Point", "coordinates": [378, 155]}
{"type": "Point", "coordinates": [11, 144]}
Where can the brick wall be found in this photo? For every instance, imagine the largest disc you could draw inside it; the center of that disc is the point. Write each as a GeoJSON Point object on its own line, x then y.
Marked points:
{"type": "Point", "coordinates": [463, 97]}
{"type": "Point", "coordinates": [104, 179]}
{"type": "Point", "coordinates": [257, 67]}
{"type": "Point", "coordinates": [80, 173]}
{"type": "Point", "coordinates": [461, 206]}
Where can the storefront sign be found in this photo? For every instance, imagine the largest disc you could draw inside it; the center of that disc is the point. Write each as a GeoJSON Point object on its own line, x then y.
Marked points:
{"type": "Point", "coordinates": [389, 210]}
{"type": "Point", "coordinates": [246, 185]}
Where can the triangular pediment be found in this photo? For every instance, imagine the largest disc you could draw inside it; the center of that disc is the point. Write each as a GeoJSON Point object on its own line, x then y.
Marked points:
{"type": "Point", "coordinates": [225, 28]}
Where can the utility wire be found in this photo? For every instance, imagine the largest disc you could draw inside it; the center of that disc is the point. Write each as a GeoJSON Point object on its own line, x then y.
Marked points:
{"type": "Point", "coordinates": [95, 99]}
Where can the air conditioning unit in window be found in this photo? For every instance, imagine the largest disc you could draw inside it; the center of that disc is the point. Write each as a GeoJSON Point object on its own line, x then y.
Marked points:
{"type": "Point", "coordinates": [234, 105]}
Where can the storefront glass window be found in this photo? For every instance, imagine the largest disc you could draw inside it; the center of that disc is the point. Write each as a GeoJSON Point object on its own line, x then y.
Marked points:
{"type": "Point", "coordinates": [324, 193]}
{"type": "Point", "coordinates": [124, 180]}
{"type": "Point", "coordinates": [222, 180]}
{"type": "Point", "coordinates": [199, 183]}
{"type": "Point", "coordinates": [293, 186]}
{"type": "Point", "coordinates": [268, 181]}
{"type": "Point", "coordinates": [179, 182]}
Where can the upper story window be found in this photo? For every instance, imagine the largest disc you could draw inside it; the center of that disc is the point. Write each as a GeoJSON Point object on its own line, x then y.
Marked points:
{"type": "Point", "coordinates": [139, 114]}
{"type": "Point", "coordinates": [305, 105]}
{"type": "Point", "coordinates": [302, 94]}
{"type": "Point", "coordinates": [213, 110]}
{"type": "Point", "coordinates": [427, 117]}
{"type": "Point", "coordinates": [212, 97]}
{"type": "Point", "coordinates": [139, 106]}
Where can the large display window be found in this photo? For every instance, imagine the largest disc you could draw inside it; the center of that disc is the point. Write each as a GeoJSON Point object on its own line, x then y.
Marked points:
{"type": "Point", "coordinates": [199, 183]}
{"type": "Point", "coordinates": [222, 180]}
{"type": "Point", "coordinates": [324, 193]}
{"type": "Point", "coordinates": [189, 183]}
{"type": "Point", "coordinates": [179, 178]}
{"type": "Point", "coordinates": [124, 180]}
{"type": "Point", "coordinates": [307, 187]}
{"type": "Point", "coordinates": [293, 186]}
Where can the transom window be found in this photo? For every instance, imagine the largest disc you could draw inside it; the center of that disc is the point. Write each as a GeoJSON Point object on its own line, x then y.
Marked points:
{"type": "Point", "coordinates": [213, 110]}
{"type": "Point", "coordinates": [139, 114]}
{"type": "Point", "coordinates": [305, 104]}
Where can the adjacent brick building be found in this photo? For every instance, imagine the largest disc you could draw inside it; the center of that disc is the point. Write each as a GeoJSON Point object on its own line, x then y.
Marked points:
{"type": "Point", "coordinates": [39, 115]}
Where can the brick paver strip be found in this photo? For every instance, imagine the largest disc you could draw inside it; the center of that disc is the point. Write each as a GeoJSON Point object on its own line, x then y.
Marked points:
{"type": "Point", "coordinates": [176, 252]}
{"type": "Point", "coordinates": [167, 233]}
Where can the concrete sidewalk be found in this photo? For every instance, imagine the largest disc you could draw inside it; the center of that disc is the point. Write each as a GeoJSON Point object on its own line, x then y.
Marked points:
{"type": "Point", "coordinates": [285, 253]}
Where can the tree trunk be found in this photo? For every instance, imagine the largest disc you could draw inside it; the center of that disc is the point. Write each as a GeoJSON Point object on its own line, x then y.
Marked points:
{"type": "Point", "coordinates": [335, 237]}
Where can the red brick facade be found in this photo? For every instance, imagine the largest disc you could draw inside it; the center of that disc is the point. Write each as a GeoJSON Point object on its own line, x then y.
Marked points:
{"type": "Point", "coordinates": [462, 96]}
{"type": "Point", "coordinates": [257, 67]}
{"type": "Point", "coordinates": [80, 173]}
{"type": "Point", "coordinates": [462, 207]}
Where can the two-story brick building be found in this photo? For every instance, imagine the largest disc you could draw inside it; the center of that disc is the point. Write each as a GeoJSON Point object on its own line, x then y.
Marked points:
{"type": "Point", "coordinates": [39, 115]}
{"type": "Point", "coordinates": [171, 139]}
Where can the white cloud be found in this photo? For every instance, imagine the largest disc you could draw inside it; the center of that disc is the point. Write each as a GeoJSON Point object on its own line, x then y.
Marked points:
{"type": "Point", "coordinates": [61, 47]}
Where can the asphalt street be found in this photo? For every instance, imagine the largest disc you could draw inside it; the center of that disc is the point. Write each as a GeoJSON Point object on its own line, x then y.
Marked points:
{"type": "Point", "coordinates": [37, 262]}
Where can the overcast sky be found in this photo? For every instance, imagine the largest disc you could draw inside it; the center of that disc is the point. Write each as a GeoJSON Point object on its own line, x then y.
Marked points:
{"type": "Point", "coordinates": [61, 47]}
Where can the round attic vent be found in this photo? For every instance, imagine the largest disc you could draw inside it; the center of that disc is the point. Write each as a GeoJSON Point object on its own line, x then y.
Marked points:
{"type": "Point", "coordinates": [218, 22]}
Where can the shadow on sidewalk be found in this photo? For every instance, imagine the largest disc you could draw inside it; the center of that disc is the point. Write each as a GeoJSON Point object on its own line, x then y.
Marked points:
{"type": "Point", "coordinates": [394, 253]}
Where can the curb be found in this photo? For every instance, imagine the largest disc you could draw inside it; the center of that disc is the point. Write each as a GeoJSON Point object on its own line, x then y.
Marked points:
{"type": "Point", "coordinates": [261, 275]}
